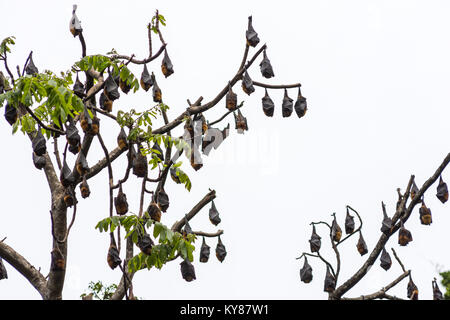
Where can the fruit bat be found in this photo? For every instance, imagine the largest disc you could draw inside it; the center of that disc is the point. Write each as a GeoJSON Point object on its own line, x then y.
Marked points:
{"type": "Point", "coordinates": [425, 214]}
{"type": "Point", "coordinates": [3, 272]}
{"type": "Point", "coordinates": [163, 200]}
{"type": "Point", "coordinates": [69, 197]}
{"type": "Point", "coordinates": [266, 67]}
{"type": "Point", "coordinates": [75, 25]}
{"type": "Point", "coordinates": [386, 224]}
{"type": "Point", "coordinates": [159, 154]}
{"type": "Point", "coordinates": [173, 175]}
{"type": "Point", "coordinates": [187, 270]}
{"type": "Point", "coordinates": [286, 107]}
{"type": "Point", "coordinates": [268, 105]}
{"type": "Point", "coordinates": [437, 294]}
{"type": "Point", "coordinates": [73, 138]}
{"type": "Point", "coordinates": [38, 143]}
{"type": "Point", "coordinates": [82, 165]}
{"type": "Point", "coordinates": [113, 257]}
{"type": "Point", "coordinates": [75, 148]}
{"type": "Point", "coordinates": [146, 79]}
{"type": "Point", "coordinates": [166, 65]}
{"type": "Point", "coordinates": [251, 35]}
{"type": "Point", "coordinates": [111, 90]}
{"type": "Point", "coordinates": [361, 245]}
{"type": "Point", "coordinates": [154, 212]}
{"type": "Point", "coordinates": [31, 68]}
{"type": "Point", "coordinates": [58, 263]}
{"type": "Point", "coordinates": [78, 88]}
{"type": "Point", "coordinates": [240, 122]}
{"type": "Point", "coordinates": [214, 214]}
{"type": "Point", "coordinates": [230, 99]}
{"type": "Point", "coordinates": [38, 161]}
{"type": "Point", "coordinates": [95, 126]}
{"type": "Point", "coordinates": [10, 114]}
{"type": "Point", "coordinates": [336, 231]}
{"type": "Point", "coordinates": [404, 235]}
{"type": "Point", "coordinates": [300, 105]}
{"type": "Point", "coordinates": [84, 188]}
{"type": "Point", "coordinates": [220, 250]}
{"type": "Point", "coordinates": [105, 103]}
{"type": "Point", "coordinates": [85, 120]}
{"type": "Point", "coordinates": [140, 165]}
{"type": "Point", "coordinates": [120, 202]}
{"type": "Point", "coordinates": [122, 139]}
{"type": "Point", "coordinates": [412, 291]}
{"type": "Point", "coordinates": [247, 84]}
{"type": "Point", "coordinates": [349, 223]}
{"type": "Point", "coordinates": [442, 191]}
{"type": "Point", "coordinates": [414, 190]}
{"type": "Point", "coordinates": [124, 86]}
{"type": "Point", "coordinates": [187, 227]}
{"type": "Point", "coordinates": [330, 281]}
{"type": "Point", "coordinates": [315, 241]}
{"type": "Point", "coordinates": [306, 272]}
{"type": "Point", "coordinates": [66, 178]}
{"type": "Point", "coordinates": [204, 251]}
{"type": "Point", "coordinates": [385, 260]}
{"type": "Point", "coordinates": [156, 92]}
{"type": "Point", "coordinates": [145, 244]}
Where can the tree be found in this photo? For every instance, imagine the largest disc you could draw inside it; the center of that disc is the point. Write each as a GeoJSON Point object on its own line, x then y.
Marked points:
{"type": "Point", "coordinates": [47, 106]}
{"type": "Point", "coordinates": [390, 226]}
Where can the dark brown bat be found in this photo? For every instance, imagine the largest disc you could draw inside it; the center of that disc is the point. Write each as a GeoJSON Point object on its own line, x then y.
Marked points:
{"type": "Point", "coordinates": [425, 214]}
{"type": "Point", "coordinates": [145, 244]}
{"type": "Point", "coordinates": [287, 106]}
{"type": "Point", "coordinates": [214, 214]}
{"type": "Point", "coordinates": [385, 260]}
{"type": "Point", "coordinates": [266, 67]}
{"type": "Point", "coordinates": [120, 202]}
{"type": "Point", "coordinates": [361, 245]}
{"type": "Point", "coordinates": [442, 191]}
{"type": "Point", "coordinates": [306, 272]}
{"type": "Point", "coordinates": [38, 161]}
{"type": "Point", "coordinates": [10, 114]}
{"type": "Point", "coordinates": [349, 223]}
{"type": "Point", "coordinates": [122, 141]}
{"type": "Point", "coordinates": [300, 105]}
{"type": "Point", "coordinates": [268, 105]}
{"type": "Point", "coordinates": [204, 252]}
{"type": "Point", "coordinates": [221, 252]}
{"type": "Point", "coordinates": [38, 143]}
{"type": "Point", "coordinates": [78, 88]}
{"type": "Point", "coordinates": [247, 84]}
{"type": "Point", "coordinates": [187, 270]}
{"type": "Point", "coordinates": [315, 241]}
{"type": "Point", "coordinates": [166, 65]}
{"type": "Point", "coordinates": [251, 35]}
{"type": "Point", "coordinates": [111, 90]}
{"type": "Point", "coordinates": [146, 79]}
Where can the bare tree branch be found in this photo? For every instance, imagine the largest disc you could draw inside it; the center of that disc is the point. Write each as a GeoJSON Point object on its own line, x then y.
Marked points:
{"type": "Point", "coordinates": [30, 273]}
{"type": "Point", "coordinates": [206, 199]}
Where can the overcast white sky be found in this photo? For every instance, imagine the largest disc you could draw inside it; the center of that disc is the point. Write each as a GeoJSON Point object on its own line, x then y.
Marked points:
{"type": "Point", "coordinates": [376, 75]}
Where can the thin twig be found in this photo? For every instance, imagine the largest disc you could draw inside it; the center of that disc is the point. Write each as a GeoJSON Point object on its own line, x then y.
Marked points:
{"type": "Point", "coordinates": [276, 86]}
{"type": "Point", "coordinates": [226, 114]}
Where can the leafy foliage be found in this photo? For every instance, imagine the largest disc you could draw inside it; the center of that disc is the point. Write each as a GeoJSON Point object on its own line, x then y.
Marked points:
{"type": "Point", "coordinates": [170, 244]}
{"type": "Point", "coordinates": [446, 283]}
{"type": "Point", "coordinates": [100, 291]}
{"type": "Point", "coordinates": [56, 100]}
